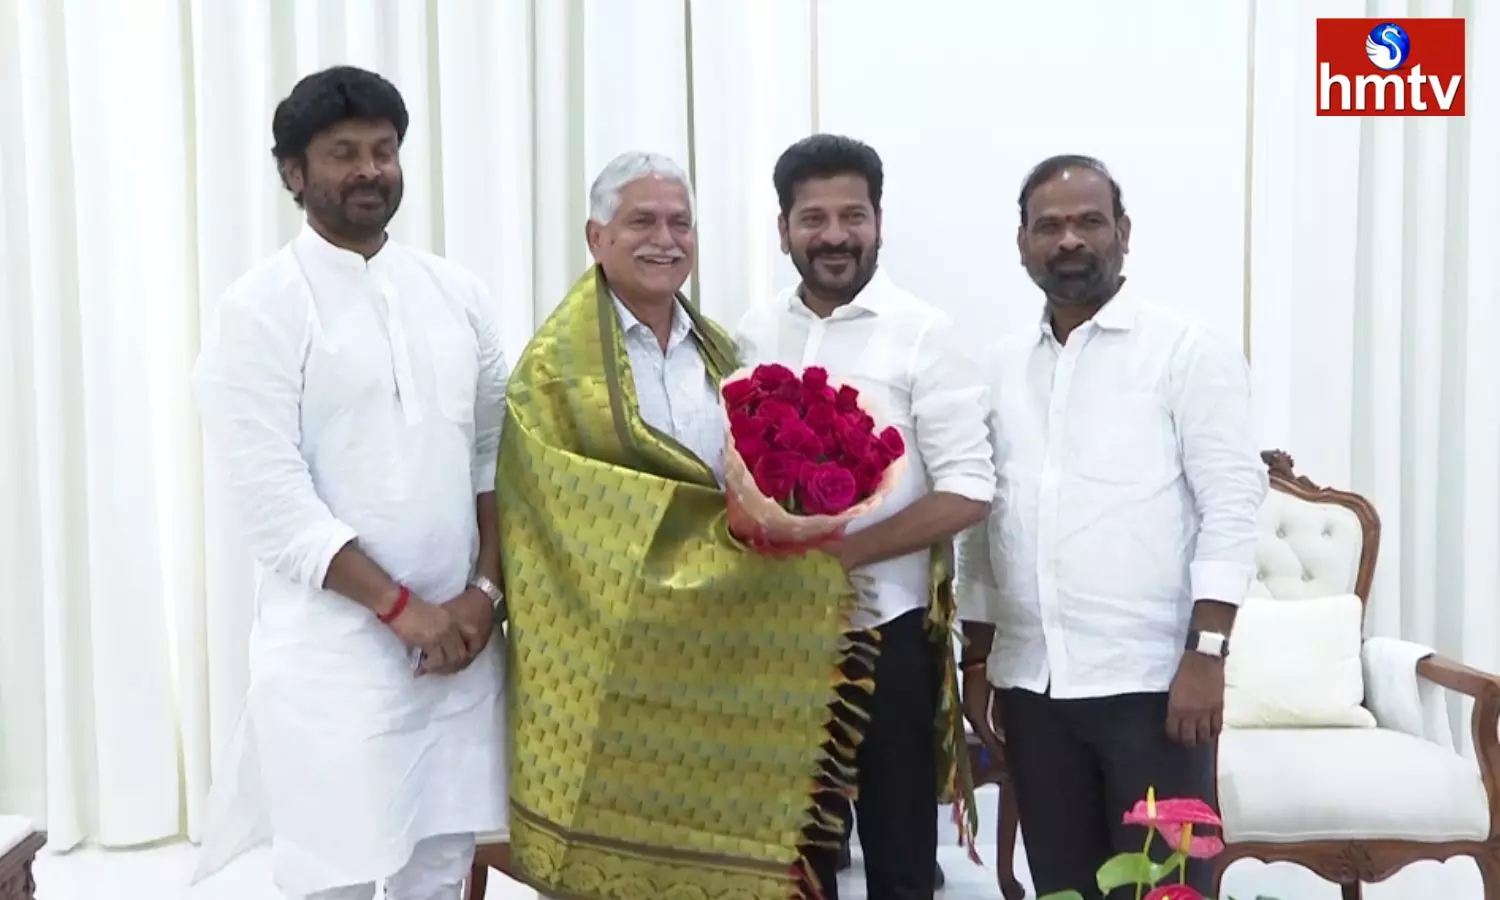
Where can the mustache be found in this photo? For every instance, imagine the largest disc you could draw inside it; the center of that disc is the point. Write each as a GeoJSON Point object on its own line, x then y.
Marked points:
{"type": "Point", "coordinates": [1075, 258]}
{"type": "Point", "coordinates": [668, 253]}
{"type": "Point", "coordinates": [835, 250]}
{"type": "Point", "coordinates": [378, 187]}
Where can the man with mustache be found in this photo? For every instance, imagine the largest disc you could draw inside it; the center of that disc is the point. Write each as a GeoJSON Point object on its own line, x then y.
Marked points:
{"type": "Point", "coordinates": [651, 753]}
{"type": "Point", "coordinates": [352, 394]}
{"type": "Point", "coordinates": [1100, 593]}
{"type": "Point", "coordinates": [848, 316]}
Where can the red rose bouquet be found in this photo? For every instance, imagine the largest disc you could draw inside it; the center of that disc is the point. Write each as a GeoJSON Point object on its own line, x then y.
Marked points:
{"type": "Point", "coordinates": [805, 456]}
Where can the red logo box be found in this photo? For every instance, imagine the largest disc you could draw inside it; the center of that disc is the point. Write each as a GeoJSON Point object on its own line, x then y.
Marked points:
{"type": "Point", "coordinates": [1391, 67]}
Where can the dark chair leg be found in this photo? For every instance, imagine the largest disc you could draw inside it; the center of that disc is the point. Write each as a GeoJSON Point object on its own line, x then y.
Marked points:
{"type": "Point", "coordinates": [479, 878]}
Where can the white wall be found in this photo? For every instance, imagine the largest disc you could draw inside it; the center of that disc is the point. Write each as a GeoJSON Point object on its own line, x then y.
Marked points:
{"type": "Point", "coordinates": [961, 103]}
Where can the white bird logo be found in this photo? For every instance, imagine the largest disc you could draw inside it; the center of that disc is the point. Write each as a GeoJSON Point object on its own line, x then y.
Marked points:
{"type": "Point", "coordinates": [1386, 53]}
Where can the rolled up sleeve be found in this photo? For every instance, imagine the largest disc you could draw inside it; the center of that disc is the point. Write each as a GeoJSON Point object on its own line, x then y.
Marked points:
{"type": "Point", "coordinates": [489, 397]}
{"type": "Point", "coordinates": [950, 406]}
{"type": "Point", "coordinates": [247, 386]}
{"type": "Point", "coordinates": [976, 588]}
{"type": "Point", "coordinates": [1222, 464]}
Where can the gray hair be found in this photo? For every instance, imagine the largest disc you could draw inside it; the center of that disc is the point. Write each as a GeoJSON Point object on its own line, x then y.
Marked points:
{"type": "Point", "coordinates": [604, 196]}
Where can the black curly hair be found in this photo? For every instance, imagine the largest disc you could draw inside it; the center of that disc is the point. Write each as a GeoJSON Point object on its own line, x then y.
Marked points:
{"type": "Point", "coordinates": [324, 99]}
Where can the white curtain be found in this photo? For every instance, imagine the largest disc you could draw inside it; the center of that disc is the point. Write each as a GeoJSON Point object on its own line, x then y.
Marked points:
{"type": "Point", "coordinates": [1375, 280]}
{"type": "Point", "coordinates": [136, 182]}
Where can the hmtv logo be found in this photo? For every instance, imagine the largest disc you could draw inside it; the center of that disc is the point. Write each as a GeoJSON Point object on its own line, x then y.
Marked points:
{"type": "Point", "coordinates": [1391, 67]}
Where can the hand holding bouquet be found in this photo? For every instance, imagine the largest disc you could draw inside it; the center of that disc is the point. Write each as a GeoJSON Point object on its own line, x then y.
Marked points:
{"type": "Point", "coordinates": [805, 457]}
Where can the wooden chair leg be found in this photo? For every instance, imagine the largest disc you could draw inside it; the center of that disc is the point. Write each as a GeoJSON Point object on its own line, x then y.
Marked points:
{"type": "Point", "coordinates": [1489, 872]}
{"type": "Point", "coordinates": [479, 879]}
{"type": "Point", "coordinates": [1007, 826]}
{"type": "Point", "coordinates": [486, 857]}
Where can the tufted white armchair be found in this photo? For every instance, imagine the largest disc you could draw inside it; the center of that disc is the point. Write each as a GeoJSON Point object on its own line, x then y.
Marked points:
{"type": "Point", "coordinates": [1357, 804]}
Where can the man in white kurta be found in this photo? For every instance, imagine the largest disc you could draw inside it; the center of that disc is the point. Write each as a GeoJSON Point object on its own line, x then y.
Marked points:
{"type": "Point", "coordinates": [352, 391]}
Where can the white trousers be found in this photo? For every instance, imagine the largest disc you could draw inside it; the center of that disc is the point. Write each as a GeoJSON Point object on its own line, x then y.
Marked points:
{"type": "Point", "coordinates": [437, 870]}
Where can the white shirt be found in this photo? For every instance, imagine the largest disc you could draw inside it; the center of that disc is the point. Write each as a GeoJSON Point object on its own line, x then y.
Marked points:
{"type": "Point", "coordinates": [1130, 481]}
{"type": "Point", "coordinates": [677, 397]}
{"type": "Point", "coordinates": [903, 355]}
{"type": "Point", "coordinates": [347, 398]}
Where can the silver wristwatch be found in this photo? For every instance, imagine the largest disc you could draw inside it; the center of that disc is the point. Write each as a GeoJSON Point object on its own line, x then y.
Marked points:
{"type": "Point", "coordinates": [492, 591]}
{"type": "Point", "coordinates": [1209, 643]}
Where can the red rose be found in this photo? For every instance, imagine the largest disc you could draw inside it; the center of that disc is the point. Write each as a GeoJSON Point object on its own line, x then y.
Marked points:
{"type": "Point", "coordinates": [791, 392]}
{"type": "Point", "coordinates": [815, 377]}
{"type": "Point", "coordinates": [847, 399]}
{"type": "Point", "coordinates": [740, 394]}
{"type": "Point", "coordinates": [818, 396]}
{"type": "Point", "coordinates": [770, 376]}
{"type": "Point", "coordinates": [891, 443]}
{"type": "Point", "coordinates": [860, 420]}
{"type": "Point", "coordinates": [776, 474]}
{"type": "Point", "coordinates": [795, 437]}
{"type": "Point", "coordinates": [854, 441]}
{"type": "Point", "coordinates": [821, 418]}
{"type": "Point", "coordinates": [825, 489]}
{"type": "Point", "coordinates": [743, 425]}
{"type": "Point", "coordinates": [777, 411]}
{"type": "Point", "coordinates": [751, 449]}
{"type": "Point", "coordinates": [866, 478]}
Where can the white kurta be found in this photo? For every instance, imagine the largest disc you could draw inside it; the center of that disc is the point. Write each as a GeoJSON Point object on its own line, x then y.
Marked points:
{"type": "Point", "coordinates": [345, 399]}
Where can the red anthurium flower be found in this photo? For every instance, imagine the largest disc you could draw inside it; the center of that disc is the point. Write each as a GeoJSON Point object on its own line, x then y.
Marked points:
{"type": "Point", "coordinates": [1174, 892]}
{"type": "Point", "coordinates": [1182, 839]}
{"type": "Point", "coordinates": [1174, 820]}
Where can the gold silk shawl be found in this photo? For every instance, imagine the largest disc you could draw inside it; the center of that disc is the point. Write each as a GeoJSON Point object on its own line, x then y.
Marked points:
{"type": "Point", "coordinates": [671, 692]}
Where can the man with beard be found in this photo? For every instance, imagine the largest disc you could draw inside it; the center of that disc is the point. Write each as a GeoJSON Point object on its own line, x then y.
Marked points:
{"type": "Point", "coordinates": [1100, 593]}
{"type": "Point", "coordinates": [352, 394]}
{"type": "Point", "coordinates": [850, 318]}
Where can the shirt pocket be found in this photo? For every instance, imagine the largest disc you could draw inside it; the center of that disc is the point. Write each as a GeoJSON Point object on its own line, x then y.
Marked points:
{"type": "Point", "coordinates": [1122, 437]}
{"type": "Point", "coordinates": [455, 370]}
{"type": "Point", "coordinates": [888, 402]}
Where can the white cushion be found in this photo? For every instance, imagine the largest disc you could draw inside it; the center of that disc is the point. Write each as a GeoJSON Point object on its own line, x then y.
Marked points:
{"type": "Point", "coordinates": [1296, 664]}
{"type": "Point", "coordinates": [13, 830]}
{"type": "Point", "coordinates": [1292, 785]}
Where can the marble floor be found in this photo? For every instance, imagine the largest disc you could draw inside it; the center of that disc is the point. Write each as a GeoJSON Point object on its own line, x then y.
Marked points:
{"type": "Point", "coordinates": [161, 873]}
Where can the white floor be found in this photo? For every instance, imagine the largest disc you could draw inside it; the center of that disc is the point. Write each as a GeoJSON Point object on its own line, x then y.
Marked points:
{"type": "Point", "coordinates": [161, 873]}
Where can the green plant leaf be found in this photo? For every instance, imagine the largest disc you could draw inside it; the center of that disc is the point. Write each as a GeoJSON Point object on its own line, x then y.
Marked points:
{"type": "Point", "coordinates": [1166, 868]}
{"type": "Point", "coordinates": [1063, 895]}
{"type": "Point", "coordinates": [1123, 869]}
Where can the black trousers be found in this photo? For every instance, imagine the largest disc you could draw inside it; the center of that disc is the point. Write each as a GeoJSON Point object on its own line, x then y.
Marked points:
{"type": "Point", "coordinates": [897, 766]}
{"type": "Point", "coordinates": [1077, 766]}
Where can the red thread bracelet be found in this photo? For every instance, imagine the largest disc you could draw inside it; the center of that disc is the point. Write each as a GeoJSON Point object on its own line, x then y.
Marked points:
{"type": "Point", "coordinates": [403, 597]}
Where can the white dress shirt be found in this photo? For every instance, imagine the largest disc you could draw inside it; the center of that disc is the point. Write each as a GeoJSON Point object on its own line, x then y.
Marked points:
{"type": "Point", "coordinates": [677, 396]}
{"type": "Point", "coordinates": [902, 354]}
{"type": "Point", "coordinates": [1130, 481]}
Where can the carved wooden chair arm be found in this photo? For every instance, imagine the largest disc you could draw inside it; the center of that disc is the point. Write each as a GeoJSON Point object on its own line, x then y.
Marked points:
{"type": "Point", "coordinates": [1485, 689]}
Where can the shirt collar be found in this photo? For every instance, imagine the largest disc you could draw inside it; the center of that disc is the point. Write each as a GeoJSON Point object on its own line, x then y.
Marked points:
{"type": "Point", "coordinates": [682, 324]}
{"type": "Point", "coordinates": [873, 299]}
{"type": "Point", "coordinates": [1119, 314]}
{"type": "Point", "coordinates": [318, 247]}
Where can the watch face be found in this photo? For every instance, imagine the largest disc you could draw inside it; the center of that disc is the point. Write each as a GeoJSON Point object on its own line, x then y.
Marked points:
{"type": "Point", "coordinates": [1208, 642]}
